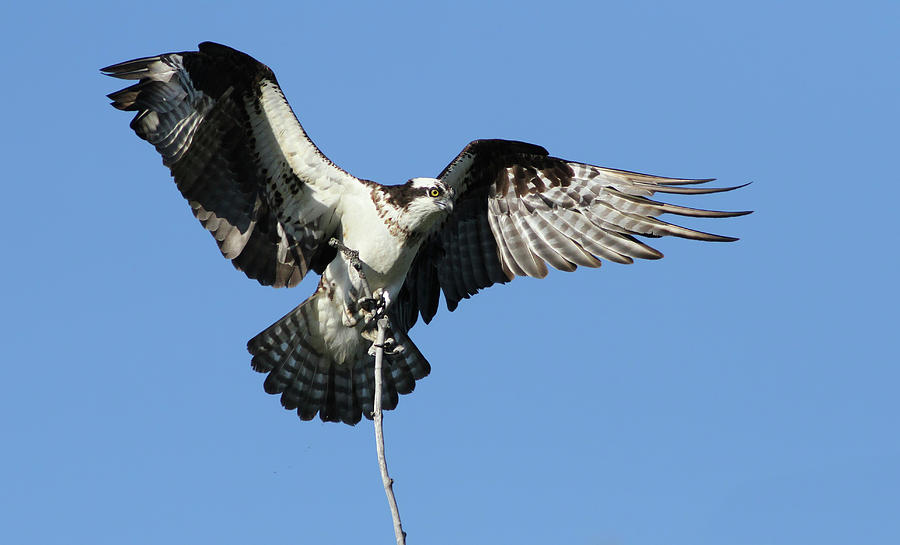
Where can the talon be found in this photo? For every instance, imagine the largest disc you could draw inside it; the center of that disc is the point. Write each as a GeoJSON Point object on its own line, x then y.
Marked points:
{"type": "Point", "coordinates": [375, 306]}
{"type": "Point", "coordinates": [391, 347]}
{"type": "Point", "coordinates": [369, 304]}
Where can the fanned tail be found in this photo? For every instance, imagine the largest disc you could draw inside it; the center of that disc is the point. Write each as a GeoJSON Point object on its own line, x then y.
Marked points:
{"type": "Point", "coordinates": [311, 382]}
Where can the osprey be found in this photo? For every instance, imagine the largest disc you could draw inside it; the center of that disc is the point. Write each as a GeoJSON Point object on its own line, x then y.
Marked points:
{"type": "Point", "coordinates": [273, 201]}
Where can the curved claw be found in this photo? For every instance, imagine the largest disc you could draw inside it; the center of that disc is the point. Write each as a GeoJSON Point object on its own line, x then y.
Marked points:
{"type": "Point", "coordinates": [390, 347]}
{"type": "Point", "coordinates": [373, 308]}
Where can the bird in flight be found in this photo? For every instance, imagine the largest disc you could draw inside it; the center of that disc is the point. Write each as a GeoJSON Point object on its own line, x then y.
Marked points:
{"type": "Point", "coordinates": [273, 201]}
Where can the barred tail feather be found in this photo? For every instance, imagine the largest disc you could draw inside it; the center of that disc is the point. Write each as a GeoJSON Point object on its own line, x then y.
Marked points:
{"type": "Point", "coordinates": [399, 374]}
{"type": "Point", "coordinates": [311, 383]}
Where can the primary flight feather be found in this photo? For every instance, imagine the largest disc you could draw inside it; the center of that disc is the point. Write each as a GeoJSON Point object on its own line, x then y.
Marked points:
{"type": "Point", "coordinates": [272, 201]}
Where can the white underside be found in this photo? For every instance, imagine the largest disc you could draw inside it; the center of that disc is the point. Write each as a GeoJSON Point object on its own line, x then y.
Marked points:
{"type": "Point", "coordinates": [386, 260]}
{"type": "Point", "coordinates": [328, 197]}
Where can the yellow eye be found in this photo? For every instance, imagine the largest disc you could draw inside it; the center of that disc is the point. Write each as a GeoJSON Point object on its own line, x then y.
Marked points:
{"type": "Point", "coordinates": [435, 192]}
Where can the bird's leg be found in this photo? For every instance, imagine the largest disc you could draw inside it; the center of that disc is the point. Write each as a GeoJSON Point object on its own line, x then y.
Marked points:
{"type": "Point", "coordinates": [353, 257]}
{"type": "Point", "coordinates": [373, 309]}
{"type": "Point", "coordinates": [369, 302]}
{"type": "Point", "coordinates": [382, 301]}
{"type": "Point", "coordinates": [372, 306]}
{"type": "Point", "coordinates": [366, 304]}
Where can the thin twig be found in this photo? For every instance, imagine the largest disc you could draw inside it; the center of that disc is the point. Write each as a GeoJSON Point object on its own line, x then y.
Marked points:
{"type": "Point", "coordinates": [379, 434]}
{"type": "Point", "coordinates": [377, 416]}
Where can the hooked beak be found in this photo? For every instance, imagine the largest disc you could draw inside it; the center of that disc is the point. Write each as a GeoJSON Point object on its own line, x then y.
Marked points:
{"type": "Point", "coordinates": [447, 202]}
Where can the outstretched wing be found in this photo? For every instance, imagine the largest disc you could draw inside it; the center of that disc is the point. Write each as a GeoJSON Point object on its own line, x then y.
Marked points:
{"type": "Point", "coordinates": [518, 208]}
{"type": "Point", "coordinates": [239, 156]}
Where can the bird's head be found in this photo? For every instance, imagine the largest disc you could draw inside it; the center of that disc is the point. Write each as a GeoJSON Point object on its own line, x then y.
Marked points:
{"type": "Point", "coordinates": [429, 200]}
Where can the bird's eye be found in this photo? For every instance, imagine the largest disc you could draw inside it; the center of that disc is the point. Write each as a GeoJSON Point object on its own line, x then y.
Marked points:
{"type": "Point", "coordinates": [435, 192]}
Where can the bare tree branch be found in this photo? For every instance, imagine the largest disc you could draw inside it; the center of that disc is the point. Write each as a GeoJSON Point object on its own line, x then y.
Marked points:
{"type": "Point", "coordinates": [377, 417]}
{"type": "Point", "coordinates": [379, 434]}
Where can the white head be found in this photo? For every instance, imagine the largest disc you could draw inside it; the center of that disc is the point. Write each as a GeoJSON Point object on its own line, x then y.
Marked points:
{"type": "Point", "coordinates": [426, 200]}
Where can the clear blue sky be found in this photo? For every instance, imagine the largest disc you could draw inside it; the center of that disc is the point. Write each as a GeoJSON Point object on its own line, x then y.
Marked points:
{"type": "Point", "coordinates": [730, 394]}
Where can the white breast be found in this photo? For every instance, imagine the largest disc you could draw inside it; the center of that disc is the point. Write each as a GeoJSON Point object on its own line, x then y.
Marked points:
{"type": "Point", "coordinates": [386, 254]}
